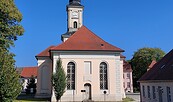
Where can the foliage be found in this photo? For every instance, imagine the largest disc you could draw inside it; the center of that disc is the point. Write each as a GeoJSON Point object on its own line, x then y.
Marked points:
{"type": "Point", "coordinates": [9, 79]}
{"type": "Point", "coordinates": [10, 28]}
{"type": "Point", "coordinates": [59, 80]}
{"type": "Point", "coordinates": [10, 17]}
{"type": "Point", "coordinates": [142, 59]}
{"type": "Point", "coordinates": [31, 84]}
{"type": "Point", "coordinates": [127, 99]}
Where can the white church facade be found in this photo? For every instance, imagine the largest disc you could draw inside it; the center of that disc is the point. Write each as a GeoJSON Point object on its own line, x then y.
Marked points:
{"type": "Point", "coordinates": [94, 68]}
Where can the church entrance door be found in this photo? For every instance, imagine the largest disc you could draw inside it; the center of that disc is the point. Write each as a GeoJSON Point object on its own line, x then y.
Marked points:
{"type": "Point", "coordinates": [87, 91]}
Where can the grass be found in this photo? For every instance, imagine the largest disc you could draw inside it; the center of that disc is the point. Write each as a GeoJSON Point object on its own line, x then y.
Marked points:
{"type": "Point", "coordinates": [45, 100]}
{"type": "Point", "coordinates": [127, 99]}
{"type": "Point", "coordinates": [31, 100]}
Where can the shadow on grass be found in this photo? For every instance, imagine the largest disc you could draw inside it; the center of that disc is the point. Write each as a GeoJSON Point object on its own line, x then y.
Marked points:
{"type": "Point", "coordinates": [30, 98]}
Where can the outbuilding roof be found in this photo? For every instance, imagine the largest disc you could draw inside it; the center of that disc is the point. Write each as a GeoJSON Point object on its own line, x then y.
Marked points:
{"type": "Point", "coordinates": [152, 64]}
{"type": "Point", "coordinates": [162, 70]}
{"type": "Point", "coordinates": [28, 72]}
{"type": "Point", "coordinates": [126, 67]}
{"type": "Point", "coordinates": [85, 40]}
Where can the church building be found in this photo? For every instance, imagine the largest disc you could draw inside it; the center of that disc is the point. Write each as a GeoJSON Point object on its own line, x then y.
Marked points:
{"type": "Point", "coordinates": [94, 68]}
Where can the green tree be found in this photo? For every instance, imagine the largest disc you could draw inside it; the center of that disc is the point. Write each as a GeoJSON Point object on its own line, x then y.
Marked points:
{"type": "Point", "coordinates": [142, 59]}
{"type": "Point", "coordinates": [9, 79]}
{"type": "Point", "coordinates": [59, 80]}
{"type": "Point", "coordinates": [10, 29]}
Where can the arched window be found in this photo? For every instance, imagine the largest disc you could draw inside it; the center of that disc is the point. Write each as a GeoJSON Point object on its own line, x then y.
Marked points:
{"type": "Point", "coordinates": [71, 76]}
{"type": "Point", "coordinates": [75, 24]}
{"type": "Point", "coordinates": [103, 76]}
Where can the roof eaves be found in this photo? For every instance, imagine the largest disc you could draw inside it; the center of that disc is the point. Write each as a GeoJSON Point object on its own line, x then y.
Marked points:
{"type": "Point", "coordinates": [90, 50]}
{"type": "Point", "coordinates": [37, 57]}
{"type": "Point", "coordinates": [155, 81]}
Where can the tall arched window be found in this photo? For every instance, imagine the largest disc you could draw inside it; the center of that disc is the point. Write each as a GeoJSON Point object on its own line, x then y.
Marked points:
{"type": "Point", "coordinates": [103, 76]}
{"type": "Point", "coordinates": [71, 76]}
{"type": "Point", "coordinates": [75, 24]}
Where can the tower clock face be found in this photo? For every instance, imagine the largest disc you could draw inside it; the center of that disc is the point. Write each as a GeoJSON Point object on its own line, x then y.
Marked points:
{"type": "Point", "coordinates": [75, 14]}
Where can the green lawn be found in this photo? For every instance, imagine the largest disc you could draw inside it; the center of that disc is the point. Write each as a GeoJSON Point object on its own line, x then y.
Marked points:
{"type": "Point", "coordinates": [31, 100]}
{"type": "Point", "coordinates": [127, 99]}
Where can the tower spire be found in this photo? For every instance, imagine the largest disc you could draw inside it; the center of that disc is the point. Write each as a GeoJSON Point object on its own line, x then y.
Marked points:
{"type": "Point", "coordinates": [75, 18]}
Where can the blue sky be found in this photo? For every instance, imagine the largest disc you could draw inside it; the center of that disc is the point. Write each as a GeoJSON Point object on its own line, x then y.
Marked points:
{"type": "Point", "coordinates": [128, 24]}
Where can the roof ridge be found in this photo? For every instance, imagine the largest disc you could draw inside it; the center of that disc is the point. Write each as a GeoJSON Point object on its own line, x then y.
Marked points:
{"type": "Point", "coordinates": [85, 40]}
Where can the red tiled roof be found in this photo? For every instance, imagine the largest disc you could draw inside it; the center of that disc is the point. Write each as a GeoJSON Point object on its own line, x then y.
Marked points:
{"type": "Point", "coordinates": [85, 40]}
{"type": "Point", "coordinates": [152, 64]}
{"type": "Point", "coordinates": [45, 53]}
{"type": "Point", "coordinates": [162, 70]}
{"type": "Point", "coordinates": [122, 56]}
{"type": "Point", "coordinates": [29, 71]}
{"type": "Point", "coordinates": [126, 67]}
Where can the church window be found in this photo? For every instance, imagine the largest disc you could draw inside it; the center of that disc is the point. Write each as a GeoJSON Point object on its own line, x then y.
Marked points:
{"type": "Point", "coordinates": [75, 24]}
{"type": "Point", "coordinates": [71, 76]}
{"type": "Point", "coordinates": [103, 76]}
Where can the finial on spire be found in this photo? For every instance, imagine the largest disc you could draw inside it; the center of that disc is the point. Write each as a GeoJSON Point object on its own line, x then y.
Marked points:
{"type": "Point", "coordinates": [74, 1]}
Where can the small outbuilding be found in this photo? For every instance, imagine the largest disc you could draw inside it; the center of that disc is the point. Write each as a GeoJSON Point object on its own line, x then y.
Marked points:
{"type": "Point", "coordinates": [156, 85]}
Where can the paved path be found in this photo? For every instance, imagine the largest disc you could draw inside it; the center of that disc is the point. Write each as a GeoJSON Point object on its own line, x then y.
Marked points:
{"type": "Point", "coordinates": [135, 96]}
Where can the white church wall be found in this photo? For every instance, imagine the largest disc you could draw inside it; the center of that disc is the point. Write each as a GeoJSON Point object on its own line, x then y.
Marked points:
{"type": "Point", "coordinates": [115, 75]}
{"type": "Point", "coordinates": [44, 76]}
{"type": "Point", "coordinates": [119, 79]}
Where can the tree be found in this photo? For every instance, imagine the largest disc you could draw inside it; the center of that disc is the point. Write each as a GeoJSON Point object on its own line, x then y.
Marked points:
{"type": "Point", "coordinates": [9, 79]}
{"type": "Point", "coordinates": [142, 59]}
{"type": "Point", "coordinates": [59, 80]}
{"type": "Point", "coordinates": [10, 29]}
{"type": "Point", "coordinates": [31, 85]}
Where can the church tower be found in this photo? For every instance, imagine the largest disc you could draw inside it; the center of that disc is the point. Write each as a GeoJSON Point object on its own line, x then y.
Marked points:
{"type": "Point", "coordinates": [74, 18]}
